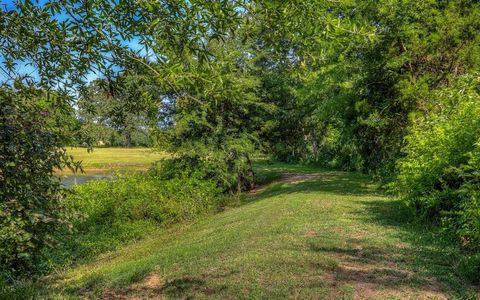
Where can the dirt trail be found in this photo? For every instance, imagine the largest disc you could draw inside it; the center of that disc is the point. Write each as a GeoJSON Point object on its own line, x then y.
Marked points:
{"type": "Point", "coordinates": [287, 178]}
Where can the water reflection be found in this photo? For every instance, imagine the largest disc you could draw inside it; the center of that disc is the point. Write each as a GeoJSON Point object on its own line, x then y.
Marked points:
{"type": "Point", "coordinates": [72, 180]}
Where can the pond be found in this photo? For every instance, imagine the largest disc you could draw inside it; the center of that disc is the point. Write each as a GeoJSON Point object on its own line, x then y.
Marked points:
{"type": "Point", "coordinates": [71, 180]}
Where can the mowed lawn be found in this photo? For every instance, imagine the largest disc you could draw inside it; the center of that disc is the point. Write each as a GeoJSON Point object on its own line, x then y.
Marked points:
{"type": "Point", "coordinates": [314, 235]}
{"type": "Point", "coordinates": [107, 160]}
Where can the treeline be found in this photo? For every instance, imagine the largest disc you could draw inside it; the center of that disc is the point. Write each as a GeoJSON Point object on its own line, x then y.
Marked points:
{"type": "Point", "coordinates": [399, 104]}
{"type": "Point", "coordinates": [104, 114]}
{"type": "Point", "coordinates": [388, 88]}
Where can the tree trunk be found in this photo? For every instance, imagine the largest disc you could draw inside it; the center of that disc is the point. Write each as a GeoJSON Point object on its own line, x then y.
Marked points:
{"type": "Point", "coordinates": [251, 173]}
{"type": "Point", "coordinates": [128, 138]}
{"type": "Point", "coordinates": [239, 182]}
{"type": "Point", "coordinates": [315, 147]}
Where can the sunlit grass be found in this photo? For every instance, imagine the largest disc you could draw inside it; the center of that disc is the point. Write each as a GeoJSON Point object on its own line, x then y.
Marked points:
{"type": "Point", "coordinates": [108, 160]}
{"type": "Point", "coordinates": [330, 236]}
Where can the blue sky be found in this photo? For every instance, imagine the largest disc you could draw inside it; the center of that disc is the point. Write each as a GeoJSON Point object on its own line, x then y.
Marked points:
{"type": "Point", "coordinates": [8, 4]}
{"type": "Point", "coordinates": [24, 67]}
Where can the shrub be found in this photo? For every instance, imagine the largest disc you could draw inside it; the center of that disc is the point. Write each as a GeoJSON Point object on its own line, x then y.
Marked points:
{"type": "Point", "coordinates": [228, 175]}
{"type": "Point", "coordinates": [112, 212]}
{"type": "Point", "coordinates": [31, 198]}
{"type": "Point", "coordinates": [439, 176]}
{"type": "Point", "coordinates": [144, 197]}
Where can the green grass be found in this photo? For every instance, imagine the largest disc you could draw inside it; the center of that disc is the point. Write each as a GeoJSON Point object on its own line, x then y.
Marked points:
{"type": "Point", "coordinates": [329, 235]}
{"type": "Point", "coordinates": [107, 160]}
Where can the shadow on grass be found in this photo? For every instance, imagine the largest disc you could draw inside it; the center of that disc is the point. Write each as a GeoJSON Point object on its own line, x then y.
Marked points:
{"type": "Point", "coordinates": [185, 287]}
{"type": "Point", "coordinates": [424, 259]}
{"type": "Point", "coordinates": [434, 251]}
{"type": "Point", "coordinates": [338, 183]}
{"type": "Point", "coordinates": [429, 258]}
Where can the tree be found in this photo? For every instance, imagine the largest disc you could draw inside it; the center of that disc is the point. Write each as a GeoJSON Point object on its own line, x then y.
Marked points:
{"type": "Point", "coordinates": [352, 92]}
{"type": "Point", "coordinates": [176, 40]}
{"type": "Point", "coordinates": [122, 106]}
{"type": "Point", "coordinates": [63, 41]}
{"type": "Point", "coordinates": [31, 197]}
{"type": "Point", "coordinates": [416, 52]}
{"type": "Point", "coordinates": [215, 121]}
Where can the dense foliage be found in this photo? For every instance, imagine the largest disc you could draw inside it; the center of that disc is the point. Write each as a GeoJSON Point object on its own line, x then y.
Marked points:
{"type": "Point", "coordinates": [349, 105]}
{"type": "Point", "coordinates": [216, 121]}
{"type": "Point", "coordinates": [32, 204]}
{"type": "Point", "coordinates": [116, 112]}
{"type": "Point", "coordinates": [439, 174]}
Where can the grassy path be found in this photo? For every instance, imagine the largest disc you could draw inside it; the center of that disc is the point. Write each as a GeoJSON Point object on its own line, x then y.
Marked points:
{"type": "Point", "coordinates": [326, 235]}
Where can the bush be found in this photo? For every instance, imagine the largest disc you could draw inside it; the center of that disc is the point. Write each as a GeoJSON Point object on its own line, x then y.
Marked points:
{"type": "Point", "coordinates": [228, 174]}
{"type": "Point", "coordinates": [111, 212]}
{"type": "Point", "coordinates": [470, 267]}
{"type": "Point", "coordinates": [144, 197]}
{"type": "Point", "coordinates": [31, 198]}
{"type": "Point", "coordinates": [439, 176]}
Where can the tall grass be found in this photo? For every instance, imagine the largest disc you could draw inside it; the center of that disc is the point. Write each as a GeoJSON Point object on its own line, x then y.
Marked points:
{"type": "Point", "coordinates": [109, 213]}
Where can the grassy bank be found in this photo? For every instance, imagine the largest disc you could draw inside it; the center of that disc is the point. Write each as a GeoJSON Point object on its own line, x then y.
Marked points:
{"type": "Point", "coordinates": [106, 160]}
{"type": "Point", "coordinates": [316, 234]}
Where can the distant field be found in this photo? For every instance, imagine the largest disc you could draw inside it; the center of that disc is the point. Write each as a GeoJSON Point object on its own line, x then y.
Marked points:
{"type": "Point", "coordinates": [107, 160]}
